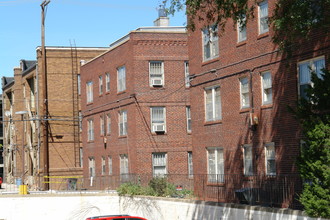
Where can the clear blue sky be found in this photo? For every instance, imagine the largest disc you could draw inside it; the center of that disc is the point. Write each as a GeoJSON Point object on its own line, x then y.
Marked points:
{"type": "Point", "coordinates": [88, 23]}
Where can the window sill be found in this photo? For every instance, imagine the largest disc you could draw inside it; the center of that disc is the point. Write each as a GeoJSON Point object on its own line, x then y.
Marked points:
{"type": "Point", "coordinates": [89, 103]}
{"type": "Point", "coordinates": [266, 106]}
{"type": "Point", "coordinates": [215, 184]}
{"type": "Point", "coordinates": [158, 133]}
{"type": "Point", "coordinates": [244, 110]}
{"type": "Point", "coordinates": [100, 95]}
{"type": "Point", "coordinates": [206, 62]}
{"type": "Point", "coordinates": [121, 92]}
{"type": "Point", "coordinates": [241, 43]}
{"type": "Point", "coordinates": [212, 122]}
{"type": "Point", "coordinates": [263, 35]}
{"type": "Point", "coordinates": [122, 136]}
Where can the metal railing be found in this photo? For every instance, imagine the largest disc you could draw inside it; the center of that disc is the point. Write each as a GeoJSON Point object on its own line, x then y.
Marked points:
{"type": "Point", "coordinates": [271, 191]}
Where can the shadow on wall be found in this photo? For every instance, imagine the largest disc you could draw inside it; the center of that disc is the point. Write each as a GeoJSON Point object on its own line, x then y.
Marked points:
{"type": "Point", "coordinates": [83, 211]}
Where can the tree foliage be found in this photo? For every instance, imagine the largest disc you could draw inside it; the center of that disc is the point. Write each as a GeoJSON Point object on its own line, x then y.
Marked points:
{"type": "Point", "coordinates": [314, 161]}
{"type": "Point", "coordinates": [292, 20]}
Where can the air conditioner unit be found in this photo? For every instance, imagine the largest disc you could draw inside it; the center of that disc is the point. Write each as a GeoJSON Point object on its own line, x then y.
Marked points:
{"type": "Point", "coordinates": [158, 128]}
{"type": "Point", "coordinates": [254, 119]}
{"type": "Point", "coordinates": [156, 82]}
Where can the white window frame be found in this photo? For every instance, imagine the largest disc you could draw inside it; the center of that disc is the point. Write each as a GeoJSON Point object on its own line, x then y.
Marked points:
{"type": "Point", "coordinates": [248, 159]}
{"type": "Point", "coordinates": [102, 131]}
{"type": "Point", "coordinates": [190, 165]}
{"type": "Point", "coordinates": [122, 122]}
{"type": "Point", "coordinates": [110, 165]}
{"type": "Point", "coordinates": [90, 129]}
{"type": "Point", "coordinates": [159, 164]}
{"type": "Point", "coordinates": [108, 123]}
{"type": "Point", "coordinates": [213, 111]}
{"type": "Point", "coordinates": [188, 116]}
{"type": "Point", "coordinates": [107, 82]}
{"type": "Point", "coordinates": [157, 122]}
{"type": "Point", "coordinates": [156, 73]}
{"type": "Point", "coordinates": [121, 79]}
{"type": "Point", "coordinates": [103, 167]}
{"type": "Point", "coordinates": [270, 159]}
{"type": "Point", "coordinates": [241, 29]}
{"type": "Point", "coordinates": [215, 165]}
{"type": "Point", "coordinates": [100, 85]}
{"type": "Point", "coordinates": [263, 17]}
{"type": "Point", "coordinates": [304, 81]}
{"type": "Point", "coordinates": [79, 84]}
{"type": "Point", "coordinates": [89, 91]}
{"type": "Point", "coordinates": [124, 167]}
{"type": "Point", "coordinates": [266, 88]}
{"type": "Point", "coordinates": [244, 92]}
{"type": "Point", "coordinates": [91, 167]}
{"type": "Point", "coordinates": [186, 74]}
{"type": "Point", "coordinates": [210, 42]}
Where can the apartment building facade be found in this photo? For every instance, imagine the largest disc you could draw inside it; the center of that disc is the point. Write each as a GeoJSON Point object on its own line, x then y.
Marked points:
{"type": "Point", "coordinates": [31, 155]}
{"type": "Point", "coordinates": [136, 112]}
{"type": "Point", "coordinates": [241, 87]}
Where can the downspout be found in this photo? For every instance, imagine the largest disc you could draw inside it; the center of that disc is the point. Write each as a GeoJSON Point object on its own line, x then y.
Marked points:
{"type": "Point", "coordinates": [38, 122]}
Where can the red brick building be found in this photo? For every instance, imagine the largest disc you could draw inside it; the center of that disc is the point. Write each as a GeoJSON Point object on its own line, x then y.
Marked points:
{"type": "Point", "coordinates": [136, 108]}
{"type": "Point", "coordinates": [241, 87]}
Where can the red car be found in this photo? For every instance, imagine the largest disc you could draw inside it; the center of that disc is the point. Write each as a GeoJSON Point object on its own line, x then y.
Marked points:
{"type": "Point", "coordinates": [116, 217]}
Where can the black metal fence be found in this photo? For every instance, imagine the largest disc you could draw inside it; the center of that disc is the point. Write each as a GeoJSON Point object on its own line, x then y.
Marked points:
{"type": "Point", "coordinates": [272, 191]}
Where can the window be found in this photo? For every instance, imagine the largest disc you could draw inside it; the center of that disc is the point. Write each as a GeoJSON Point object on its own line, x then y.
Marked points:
{"type": "Point", "coordinates": [188, 119]}
{"type": "Point", "coordinates": [123, 167]}
{"type": "Point", "coordinates": [121, 83]}
{"type": "Point", "coordinates": [122, 123]}
{"type": "Point", "coordinates": [158, 119]}
{"type": "Point", "coordinates": [79, 121]}
{"type": "Point", "coordinates": [102, 131]}
{"type": "Point", "coordinates": [156, 73]}
{"type": "Point", "coordinates": [110, 165]}
{"type": "Point", "coordinates": [31, 83]}
{"type": "Point", "coordinates": [159, 164]}
{"type": "Point", "coordinates": [248, 160]}
{"type": "Point", "coordinates": [91, 166]}
{"type": "Point", "coordinates": [190, 165]}
{"type": "Point", "coordinates": [81, 153]}
{"type": "Point", "coordinates": [267, 93]}
{"type": "Point", "coordinates": [263, 17]}
{"type": "Point", "coordinates": [90, 126]}
{"type": "Point", "coordinates": [108, 124]}
{"type": "Point", "coordinates": [210, 42]}
{"type": "Point", "coordinates": [100, 85]}
{"type": "Point", "coordinates": [79, 84]}
{"type": "Point", "coordinates": [245, 95]}
{"type": "Point", "coordinates": [107, 82]}
{"type": "Point", "coordinates": [305, 68]}
{"type": "Point", "coordinates": [241, 28]}
{"type": "Point", "coordinates": [216, 165]}
{"type": "Point", "coordinates": [270, 159]}
{"type": "Point", "coordinates": [212, 103]}
{"type": "Point", "coordinates": [89, 91]}
{"type": "Point", "coordinates": [103, 165]}
{"type": "Point", "coordinates": [186, 74]}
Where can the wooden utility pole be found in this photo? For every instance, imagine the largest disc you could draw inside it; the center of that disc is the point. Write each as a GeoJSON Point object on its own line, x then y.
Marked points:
{"type": "Point", "coordinates": [45, 99]}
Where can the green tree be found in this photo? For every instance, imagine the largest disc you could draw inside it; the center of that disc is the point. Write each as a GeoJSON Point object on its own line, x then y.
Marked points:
{"type": "Point", "coordinates": [292, 20]}
{"type": "Point", "coordinates": [314, 160]}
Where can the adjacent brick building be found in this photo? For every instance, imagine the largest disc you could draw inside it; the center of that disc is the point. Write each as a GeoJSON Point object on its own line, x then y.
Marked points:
{"type": "Point", "coordinates": [241, 86]}
{"type": "Point", "coordinates": [135, 109]}
{"type": "Point", "coordinates": [24, 118]}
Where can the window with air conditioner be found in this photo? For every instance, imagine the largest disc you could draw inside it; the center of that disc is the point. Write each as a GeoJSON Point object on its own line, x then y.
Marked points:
{"type": "Point", "coordinates": [158, 124]}
{"type": "Point", "coordinates": [156, 73]}
{"type": "Point", "coordinates": [215, 165]}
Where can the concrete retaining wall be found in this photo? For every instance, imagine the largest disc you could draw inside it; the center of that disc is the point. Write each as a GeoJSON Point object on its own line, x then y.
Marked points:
{"type": "Point", "coordinates": [81, 206]}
